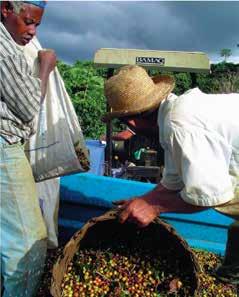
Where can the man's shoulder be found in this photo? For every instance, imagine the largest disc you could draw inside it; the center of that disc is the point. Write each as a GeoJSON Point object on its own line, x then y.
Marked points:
{"type": "Point", "coordinates": [8, 47]}
{"type": "Point", "coordinates": [189, 101]}
{"type": "Point", "coordinates": [192, 93]}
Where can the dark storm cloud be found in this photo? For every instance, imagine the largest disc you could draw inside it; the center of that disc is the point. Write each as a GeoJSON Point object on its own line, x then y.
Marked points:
{"type": "Point", "coordinates": [77, 29]}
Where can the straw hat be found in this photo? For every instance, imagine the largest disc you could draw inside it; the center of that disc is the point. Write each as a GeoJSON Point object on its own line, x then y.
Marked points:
{"type": "Point", "coordinates": [132, 91]}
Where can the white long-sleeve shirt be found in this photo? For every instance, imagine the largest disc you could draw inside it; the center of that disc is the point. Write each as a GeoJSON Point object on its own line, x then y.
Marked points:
{"type": "Point", "coordinates": [200, 136]}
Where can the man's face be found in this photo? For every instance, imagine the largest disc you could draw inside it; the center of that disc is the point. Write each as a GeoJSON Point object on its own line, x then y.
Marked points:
{"type": "Point", "coordinates": [22, 26]}
{"type": "Point", "coordinates": [143, 124]}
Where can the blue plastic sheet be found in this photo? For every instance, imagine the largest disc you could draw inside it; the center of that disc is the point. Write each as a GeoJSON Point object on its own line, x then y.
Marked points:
{"type": "Point", "coordinates": [86, 195]}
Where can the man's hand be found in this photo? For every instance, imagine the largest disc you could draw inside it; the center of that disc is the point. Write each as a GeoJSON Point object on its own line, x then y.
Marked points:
{"type": "Point", "coordinates": [47, 62]}
{"type": "Point", "coordinates": [144, 209]}
{"type": "Point", "coordinates": [47, 58]}
{"type": "Point", "coordinates": [137, 210]}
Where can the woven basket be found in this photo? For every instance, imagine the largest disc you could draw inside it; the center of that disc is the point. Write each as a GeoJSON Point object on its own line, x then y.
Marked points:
{"type": "Point", "coordinates": [107, 227]}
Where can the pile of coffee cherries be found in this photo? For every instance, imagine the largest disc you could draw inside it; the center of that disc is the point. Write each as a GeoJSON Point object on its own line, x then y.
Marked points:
{"type": "Point", "coordinates": [209, 286]}
{"type": "Point", "coordinates": [121, 271]}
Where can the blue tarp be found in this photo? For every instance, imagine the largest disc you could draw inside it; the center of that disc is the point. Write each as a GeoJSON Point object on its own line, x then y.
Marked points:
{"type": "Point", "coordinates": [87, 195]}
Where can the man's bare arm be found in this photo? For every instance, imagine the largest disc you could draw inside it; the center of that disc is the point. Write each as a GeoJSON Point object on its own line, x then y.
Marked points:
{"type": "Point", "coordinates": [144, 209]}
{"type": "Point", "coordinates": [47, 61]}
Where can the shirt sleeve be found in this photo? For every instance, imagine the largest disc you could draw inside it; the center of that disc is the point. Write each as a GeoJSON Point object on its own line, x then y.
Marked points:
{"type": "Point", "coordinates": [19, 89]}
{"type": "Point", "coordinates": [171, 179]}
{"type": "Point", "coordinates": [202, 159]}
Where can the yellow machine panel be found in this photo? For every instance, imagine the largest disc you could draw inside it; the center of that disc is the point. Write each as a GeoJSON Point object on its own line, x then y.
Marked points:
{"type": "Point", "coordinates": [153, 59]}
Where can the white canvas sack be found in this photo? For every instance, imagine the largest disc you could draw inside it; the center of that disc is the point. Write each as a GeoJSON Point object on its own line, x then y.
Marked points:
{"type": "Point", "coordinates": [58, 147]}
{"type": "Point", "coordinates": [49, 194]}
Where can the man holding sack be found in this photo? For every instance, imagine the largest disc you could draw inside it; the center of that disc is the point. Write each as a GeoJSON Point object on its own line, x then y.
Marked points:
{"type": "Point", "coordinates": [23, 233]}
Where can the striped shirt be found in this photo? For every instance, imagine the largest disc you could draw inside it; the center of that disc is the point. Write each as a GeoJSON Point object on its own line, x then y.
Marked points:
{"type": "Point", "coordinates": [20, 91]}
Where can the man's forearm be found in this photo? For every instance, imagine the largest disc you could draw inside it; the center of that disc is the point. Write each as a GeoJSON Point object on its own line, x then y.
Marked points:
{"type": "Point", "coordinates": [44, 76]}
{"type": "Point", "coordinates": [169, 201]}
{"type": "Point", "coordinates": [47, 62]}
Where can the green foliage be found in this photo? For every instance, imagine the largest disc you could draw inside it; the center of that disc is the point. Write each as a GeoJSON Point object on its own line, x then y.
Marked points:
{"type": "Point", "coordinates": [204, 82]}
{"type": "Point", "coordinates": [85, 86]}
{"type": "Point", "coordinates": [183, 83]}
{"type": "Point", "coordinates": [225, 78]}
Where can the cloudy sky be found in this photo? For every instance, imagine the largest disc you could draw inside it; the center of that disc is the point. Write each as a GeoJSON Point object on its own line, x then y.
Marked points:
{"type": "Point", "coordinates": [76, 29]}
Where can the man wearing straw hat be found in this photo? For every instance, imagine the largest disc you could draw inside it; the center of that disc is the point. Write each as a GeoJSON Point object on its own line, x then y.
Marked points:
{"type": "Point", "coordinates": [200, 136]}
{"type": "Point", "coordinates": [23, 232]}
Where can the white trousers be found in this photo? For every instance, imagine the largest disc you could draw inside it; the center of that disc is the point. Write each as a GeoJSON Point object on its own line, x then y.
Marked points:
{"type": "Point", "coordinates": [23, 232]}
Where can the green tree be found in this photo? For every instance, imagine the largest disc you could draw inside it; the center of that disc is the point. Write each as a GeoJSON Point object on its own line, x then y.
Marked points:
{"type": "Point", "coordinates": [85, 88]}
{"type": "Point", "coordinates": [204, 82]}
{"type": "Point", "coordinates": [225, 77]}
{"type": "Point", "coordinates": [226, 52]}
{"type": "Point", "coordinates": [183, 83]}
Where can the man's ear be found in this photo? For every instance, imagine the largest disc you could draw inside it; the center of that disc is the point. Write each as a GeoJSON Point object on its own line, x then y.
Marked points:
{"type": "Point", "coordinates": [6, 9]}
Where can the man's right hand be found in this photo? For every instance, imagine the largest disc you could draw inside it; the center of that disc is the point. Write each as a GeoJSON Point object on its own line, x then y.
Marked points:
{"type": "Point", "coordinates": [138, 210]}
{"type": "Point", "coordinates": [47, 58]}
{"type": "Point", "coordinates": [142, 210]}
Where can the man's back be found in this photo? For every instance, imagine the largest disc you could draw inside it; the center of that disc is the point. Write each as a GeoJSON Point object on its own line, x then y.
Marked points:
{"type": "Point", "coordinates": [200, 136]}
{"type": "Point", "coordinates": [215, 113]}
